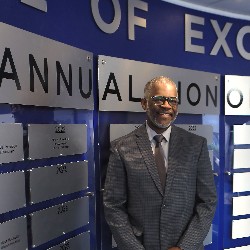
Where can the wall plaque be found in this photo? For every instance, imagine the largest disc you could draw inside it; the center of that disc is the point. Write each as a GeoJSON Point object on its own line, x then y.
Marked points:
{"type": "Point", "coordinates": [80, 242]}
{"type": "Point", "coordinates": [121, 86]}
{"type": "Point", "coordinates": [241, 158]}
{"type": "Point", "coordinates": [237, 95]}
{"type": "Point", "coordinates": [12, 191]}
{"type": "Point", "coordinates": [40, 71]}
{"type": "Point", "coordinates": [53, 181]}
{"type": "Point", "coordinates": [241, 182]}
{"type": "Point", "coordinates": [241, 228]}
{"type": "Point", "coordinates": [13, 234]}
{"type": "Point", "coordinates": [53, 222]}
{"type": "Point", "coordinates": [52, 140]}
{"type": "Point", "coordinates": [241, 205]}
{"type": "Point", "coordinates": [119, 130]}
{"type": "Point", "coordinates": [199, 129]}
{"type": "Point", "coordinates": [241, 134]}
{"type": "Point", "coordinates": [11, 145]}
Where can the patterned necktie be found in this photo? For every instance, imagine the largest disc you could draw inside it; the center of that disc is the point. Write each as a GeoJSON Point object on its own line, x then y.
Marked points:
{"type": "Point", "coordinates": [159, 159]}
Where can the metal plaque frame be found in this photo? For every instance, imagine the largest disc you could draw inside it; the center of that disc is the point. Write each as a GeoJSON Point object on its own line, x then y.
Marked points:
{"type": "Point", "coordinates": [52, 140]}
{"type": "Point", "coordinates": [55, 221]}
{"type": "Point", "coordinates": [56, 180]}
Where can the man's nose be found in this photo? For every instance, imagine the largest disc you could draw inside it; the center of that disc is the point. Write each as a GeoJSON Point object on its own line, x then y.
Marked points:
{"type": "Point", "coordinates": [166, 105]}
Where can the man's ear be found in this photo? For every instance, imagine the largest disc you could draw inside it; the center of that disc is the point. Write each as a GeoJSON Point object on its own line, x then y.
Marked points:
{"type": "Point", "coordinates": [144, 103]}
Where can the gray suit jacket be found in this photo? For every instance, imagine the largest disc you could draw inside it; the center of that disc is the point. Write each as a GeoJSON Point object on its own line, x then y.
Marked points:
{"type": "Point", "coordinates": [139, 214]}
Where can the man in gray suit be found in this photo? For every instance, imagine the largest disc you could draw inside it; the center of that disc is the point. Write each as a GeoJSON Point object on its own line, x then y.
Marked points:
{"type": "Point", "coordinates": [169, 208]}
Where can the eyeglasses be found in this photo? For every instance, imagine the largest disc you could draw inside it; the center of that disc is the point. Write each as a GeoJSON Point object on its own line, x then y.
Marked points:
{"type": "Point", "coordinates": [160, 100]}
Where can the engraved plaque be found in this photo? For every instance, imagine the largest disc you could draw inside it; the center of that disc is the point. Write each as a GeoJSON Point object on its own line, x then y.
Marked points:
{"type": "Point", "coordinates": [52, 140]}
{"type": "Point", "coordinates": [241, 205]}
{"type": "Point", "coordinates": [12, 191]}
{"type": "Point", "coordinates": [13, 234]}
{"type": "Point", "coordinates": [241, 134]}
{"type": "Point", "coordinates": [202, 130]}
{"type": "Point", "coordinates": [80, 242]}
{"type": "Point", "coordinates": [240, 228]}
{"type": "Point", "coordinates": [119, 130]}
{"type": "Point", "coordinates": [11, 145]}
{"type": "Point", "coordinates": [241, 158]}
{"type": "Point", "coordinates": [241, 182]}
{"type": "Point", "coordinates": [53, 222]}
{"type": "Point", "coordinates": [68, 81]}
{"type": "Point", "coordinates": [126, 75]}
{"type": "Point", "coordinates": [53, 181]}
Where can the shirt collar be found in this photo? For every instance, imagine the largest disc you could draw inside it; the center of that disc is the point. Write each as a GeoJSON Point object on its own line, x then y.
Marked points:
{"type": "Point", "coordinates": [152, 133]}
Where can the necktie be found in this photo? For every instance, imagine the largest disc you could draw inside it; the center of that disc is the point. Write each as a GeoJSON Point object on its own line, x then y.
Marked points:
{"type": "Point", "coordinates": [159, 159]}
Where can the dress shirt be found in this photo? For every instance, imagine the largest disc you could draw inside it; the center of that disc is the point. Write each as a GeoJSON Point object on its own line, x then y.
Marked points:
{"type": "Point", "coordinates": [164, 143]}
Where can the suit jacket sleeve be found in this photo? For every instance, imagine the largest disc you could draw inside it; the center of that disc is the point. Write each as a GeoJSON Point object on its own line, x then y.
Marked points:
{"type": "Point", "coordinates": [205, 203]}
{"type": "Point", "coordinates": [115, 204]}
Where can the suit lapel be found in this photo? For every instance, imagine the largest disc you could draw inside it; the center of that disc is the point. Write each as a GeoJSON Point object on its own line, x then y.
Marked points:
{"type": "Point", "coordinates": [147, 154]}
{"type": "Point", "coordinates": [175, 147]}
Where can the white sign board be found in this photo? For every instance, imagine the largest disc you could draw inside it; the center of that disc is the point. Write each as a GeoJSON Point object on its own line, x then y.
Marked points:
{"type": "Point", "coordinates": [237, 94]}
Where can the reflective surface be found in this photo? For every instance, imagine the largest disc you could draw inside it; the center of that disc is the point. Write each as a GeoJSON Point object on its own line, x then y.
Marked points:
{"type": "Point", "coordinates": [58, 220]}
{"type": "Point", "coordinates": [53, 181]}
{"type": "Point", "coordinates": [121, 84]}
{"type": "Point", "coordinates": [13, 234]}
{"type": "Point", "coordinates": [50, 140]}
{"type": "Point", "coordinates": [80, 242]}
{"type": "Point", "coordinates": [11, 145]}
{"type": "Point", "coordinates": [12, 191]}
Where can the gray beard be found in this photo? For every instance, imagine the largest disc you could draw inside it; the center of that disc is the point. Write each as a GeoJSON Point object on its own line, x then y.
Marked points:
{"type": "Point", "coordinates": [158, 125]}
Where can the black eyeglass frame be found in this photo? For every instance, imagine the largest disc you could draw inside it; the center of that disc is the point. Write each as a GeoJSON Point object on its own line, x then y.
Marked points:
{"type": "Point", "coordinates": [172, 100]}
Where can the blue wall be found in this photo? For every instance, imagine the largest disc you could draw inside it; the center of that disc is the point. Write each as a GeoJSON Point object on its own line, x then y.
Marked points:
{"type": "Point", "coordinates": [161, 42]}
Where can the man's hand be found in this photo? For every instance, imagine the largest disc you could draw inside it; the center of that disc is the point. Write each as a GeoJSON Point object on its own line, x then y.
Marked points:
{"type": "Point", "coordinates": [174, 248]}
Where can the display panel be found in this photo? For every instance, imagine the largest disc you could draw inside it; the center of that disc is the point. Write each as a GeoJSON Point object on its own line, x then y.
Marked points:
{"type": "Point", "coordinates": [80, 242]}
{"type": "Point", "coordinates": [11, 146]}
{"type": "Point", "coordinates": [241, 182]}
{"type": "Point", "coordinates": [44, 72]}
{"type": "Point", "coordinates": [241, 158]}
{"type": "Point", "coordinates": [13, 234]}
{"type": "Point", "coordinates": [118, 130]}
{"type": "Point", "coordinates": [51, 140]}
{"type": "Point", "coordinates": [53, 181]}
{"type": "Point", "coordinates": [199, 129]}
{"type": "Point", "coordinates": [236, 95]}
{"type": "Point", "coordinates": [52, 222]}
{"type": "Point", "coordinates": [12, 191]}
{"type": "Point", "coordinates": [121, 84]}
{"type": "Point", "coordinates": [240, 228]}
{"type": "Point", "coordinates": [241, 205]}
{"type": "Point", "coordinates": [241, 134]}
